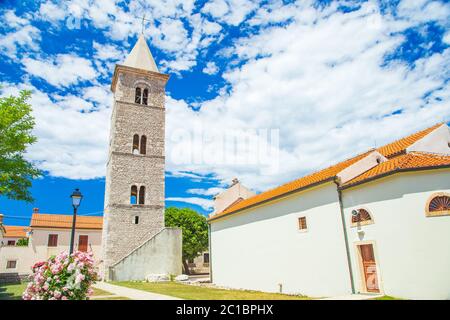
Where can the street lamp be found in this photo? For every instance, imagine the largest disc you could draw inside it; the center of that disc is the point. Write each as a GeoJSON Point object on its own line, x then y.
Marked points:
{"type": "Point", "coordinates": [76, 200]}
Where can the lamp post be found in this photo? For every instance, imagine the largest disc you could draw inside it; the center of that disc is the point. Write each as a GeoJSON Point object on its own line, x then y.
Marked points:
{"type": "Point", "coordinates": [76, 200]}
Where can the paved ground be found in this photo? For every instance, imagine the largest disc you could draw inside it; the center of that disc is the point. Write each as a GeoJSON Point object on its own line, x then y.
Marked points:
{"type": "Point", "coordinates": [354, 297]}
{"type": "Point", "coordinates": [132, 293]}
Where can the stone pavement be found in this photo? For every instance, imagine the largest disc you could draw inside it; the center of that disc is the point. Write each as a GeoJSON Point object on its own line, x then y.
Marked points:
{"type": "Point", "coordinates": [133, 294]}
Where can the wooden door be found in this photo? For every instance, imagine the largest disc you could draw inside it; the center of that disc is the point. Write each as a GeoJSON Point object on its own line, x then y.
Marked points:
{"type": "Point", "coordinates": [83, 243]}
{"type": "Point", "coordinates": [369, 267]}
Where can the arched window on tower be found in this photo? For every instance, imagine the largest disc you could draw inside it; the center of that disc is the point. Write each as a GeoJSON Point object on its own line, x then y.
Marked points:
{"type": "Point", "coordinates": [142, 195]}
{"type": "Point", "coordinates": [143, 145]}
{"type": "Point", "coordinates": [137, 96]}
{"type": "Point", "coordinates": [145, 96]}
{"type": "Point", "coordinates": [135, 149]}
{"type": "Point", "coordinates": [133, 195]}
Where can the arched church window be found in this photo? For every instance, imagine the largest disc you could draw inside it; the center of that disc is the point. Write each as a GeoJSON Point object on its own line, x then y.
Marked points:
{"type": "Point", "coordinates": [135, 144]}
{"type": "Point", "coordinates": [142, 195]}
{"type": "Point", "coordinates": [145, 96]}
{"type": "Point", "coordinates": [438, 205]}
{"type": "Point", "coordinates": [362, 217]}
{"type": "Point", "coordinates": [137, 96]}
{"type": "Point", "coordinates": [134, 194]}
{"type": "Point", "coordinates": [143, 145]}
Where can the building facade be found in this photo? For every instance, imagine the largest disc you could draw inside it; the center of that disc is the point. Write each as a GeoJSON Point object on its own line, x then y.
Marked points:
{"type": "Point", "coordinates": [134, 195]}
{"type": "Point", "coordinates": [374, 223]}
{"type": "Point", "coordinates": [48, 235]}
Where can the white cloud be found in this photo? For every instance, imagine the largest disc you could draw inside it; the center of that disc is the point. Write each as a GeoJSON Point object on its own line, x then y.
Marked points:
{"type": "Point", "coordinates": [446, 38]}
{"type": "Point", "coordinates": [321, 82]}
{"type": "Point", "coordinates": [105, 52]}
{"type": "Point", "coordinates": [206, 192]}
{"type": "Point", "coordinates": [51, 12]}
{"type": "Point", "coordinates": [232, 12]}
{"type": "Point", "coordinates": [62, 70]}
{"type": "Point", "coordinates": [211, 68]}
{"type": "Point", "coordinates": [21, 35]}
{"type": "Point", "coordinates": [204, 203]}
{"type": "Point", "coordinates": [70, 144]}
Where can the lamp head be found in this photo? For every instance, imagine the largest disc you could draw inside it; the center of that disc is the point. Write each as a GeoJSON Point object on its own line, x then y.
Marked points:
{"type": "Point", "coordinates": [76, 198]}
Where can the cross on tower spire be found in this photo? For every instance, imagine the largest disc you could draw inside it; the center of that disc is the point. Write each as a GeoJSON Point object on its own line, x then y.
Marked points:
{"type": "Point", "coordinates": [143, 23]}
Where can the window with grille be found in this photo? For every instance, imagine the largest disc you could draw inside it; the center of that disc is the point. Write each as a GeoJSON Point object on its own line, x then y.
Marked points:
{"type": "Point", "coordinates": [52, 240]}
{"type": "Point", "coordinates": [363, 215]}
{"type": "Point", "coordinates": [11, 264]}
{"type": "Point", "coordinates": [302, 223]}
{"type": "Point", "coordinates": [438, 205]}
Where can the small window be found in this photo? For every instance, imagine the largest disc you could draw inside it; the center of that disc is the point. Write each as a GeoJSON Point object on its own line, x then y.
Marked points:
{"type": "Point", "coordinates": [206, 258]}
{"type": "Point", "coordinates": [133, 195]}
{"type": "Point", "coordinates": [361, 216]}
{"type": "Point", "coordinates": [302, 223]}
{"type": "Point", "coordinates": [142, 195]}
{"type": "Point", "coordinates": [136, 219]}
{"type": "Point", "coordinates": [52, 240]}
{"type": "Point", "coordinates": [135, 149]}
{"type": "Point", "coordinates": [11, 242]}
{"type": "Point", "coordinates": [143, 145]}
{"type": "Point", "coordinates": [137, 96]}
{"type": "Point", "coordinates": [11, 264]}
{"type": "Point", "coordinates": [438, 205]}
{"type": "Point", "coordinates": [145, 96]}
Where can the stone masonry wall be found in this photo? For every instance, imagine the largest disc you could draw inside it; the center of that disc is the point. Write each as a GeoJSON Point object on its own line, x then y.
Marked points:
{"type": "Point", "coordinates": [125, 169]}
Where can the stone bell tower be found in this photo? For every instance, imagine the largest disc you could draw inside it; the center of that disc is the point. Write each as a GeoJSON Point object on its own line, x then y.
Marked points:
{"type": "Point", "coordinates": [134, 195]}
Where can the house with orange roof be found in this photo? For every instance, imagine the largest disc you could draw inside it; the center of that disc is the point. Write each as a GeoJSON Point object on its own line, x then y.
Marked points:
{"type": "Point", "coordinates": [48, 234]}
{"type": "Point", "coordinates": [376, 223]}
{"type": "Point", "coordinates": [12, 234]}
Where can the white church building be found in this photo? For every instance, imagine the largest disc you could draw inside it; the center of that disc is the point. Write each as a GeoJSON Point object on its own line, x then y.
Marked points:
{"type": "Point", "coordinates": [377, 223]}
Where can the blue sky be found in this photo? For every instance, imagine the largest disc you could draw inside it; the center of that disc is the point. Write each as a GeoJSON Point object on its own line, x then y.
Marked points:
{"type": "Point", "coordinates": [326, 79]}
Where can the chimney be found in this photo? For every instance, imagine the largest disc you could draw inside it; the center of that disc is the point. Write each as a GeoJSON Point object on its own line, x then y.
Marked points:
{"type": "Point", "coordinates": [35, 210]}
{"type": "Point", "coordinates": [234, 181]}
{"type": "Point", "coordinates": [1, 218]}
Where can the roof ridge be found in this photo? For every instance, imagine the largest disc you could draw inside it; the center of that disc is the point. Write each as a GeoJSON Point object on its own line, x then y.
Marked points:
{"type": "Point", "coordinates": [395, 149]}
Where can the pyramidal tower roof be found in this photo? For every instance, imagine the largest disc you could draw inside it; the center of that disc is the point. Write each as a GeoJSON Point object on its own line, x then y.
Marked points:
{"type": "Point", "coordinates": [140, 56]}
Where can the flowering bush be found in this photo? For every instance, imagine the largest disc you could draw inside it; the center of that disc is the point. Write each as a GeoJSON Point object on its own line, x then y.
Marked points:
{"type": "Point", "coordinates": [62, 277]}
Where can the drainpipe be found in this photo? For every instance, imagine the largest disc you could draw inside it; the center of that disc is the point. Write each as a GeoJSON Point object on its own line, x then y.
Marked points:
{"type": "Point", "coordinates": [347, 247]}
{"type": "Point", "coordinates": [210, 253]}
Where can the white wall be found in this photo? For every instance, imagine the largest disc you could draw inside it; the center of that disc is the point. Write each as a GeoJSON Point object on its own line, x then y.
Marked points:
{"type": "Point", "coordinates": [412, 250]}
{"type": "Point", "coordinates": [263, 247]}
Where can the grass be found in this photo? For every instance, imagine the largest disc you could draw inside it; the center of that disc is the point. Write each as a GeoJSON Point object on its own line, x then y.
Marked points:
{"type": "Point", "coordinates": [12, 291]}
{"type": "Point", "coordinates": [113, 298]}
{"type": "Point", "coordinates": [100, 292]}
{"type": "Point", "coordinates": [387, 298]}
{"type": "Point", "coordinates": [190, 292]}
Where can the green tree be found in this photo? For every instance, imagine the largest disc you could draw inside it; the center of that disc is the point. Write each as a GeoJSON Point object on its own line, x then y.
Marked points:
{"type": "Point", "coordinates": [16, 125]}
{"type": "Point", "coordinates": [195, 231]}
{"type": "Point", "coordinates": [22, 242]}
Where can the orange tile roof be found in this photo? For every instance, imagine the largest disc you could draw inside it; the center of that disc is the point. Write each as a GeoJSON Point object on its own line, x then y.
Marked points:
{"type": "Point", "coordinates": [406, 162]}
{"type": "Point", "coordinates": [43, 220]}
{"type": "Point", "coordinates": [390, 150]}
{"type": "Point", "coordinates": [15, 231]}
{"type": "Point", "coordinates": [397, 147]}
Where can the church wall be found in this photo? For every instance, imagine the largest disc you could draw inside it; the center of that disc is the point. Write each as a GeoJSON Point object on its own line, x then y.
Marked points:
{"type": "Point", "coordinates": [411, 249]}
{"type": "Point", "coordinates": [263, 247]}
